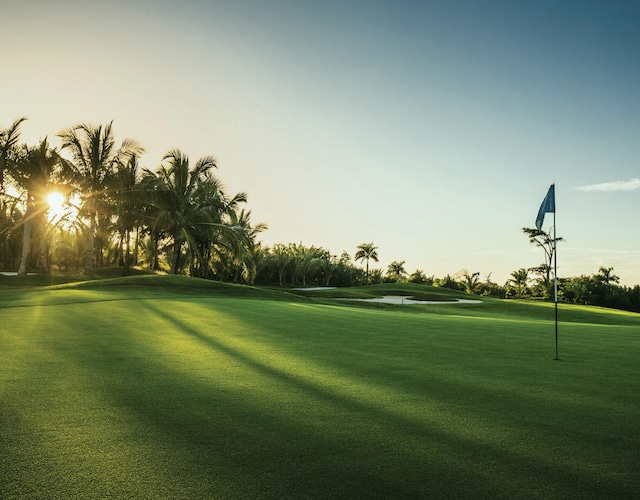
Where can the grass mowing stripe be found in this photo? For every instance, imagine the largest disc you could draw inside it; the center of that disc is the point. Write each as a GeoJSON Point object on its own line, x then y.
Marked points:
{"type": "Point", "coordinates": [238, 398]}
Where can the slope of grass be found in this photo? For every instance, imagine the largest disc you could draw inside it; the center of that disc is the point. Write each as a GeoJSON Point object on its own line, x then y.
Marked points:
{"type": "Point", "coordinates": [163, 392]}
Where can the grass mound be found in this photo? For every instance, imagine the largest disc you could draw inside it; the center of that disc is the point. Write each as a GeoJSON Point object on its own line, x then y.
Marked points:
{"type": "Point", "coordinates": [132, 288]}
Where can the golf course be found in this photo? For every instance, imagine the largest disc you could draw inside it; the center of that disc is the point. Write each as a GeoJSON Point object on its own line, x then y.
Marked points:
{"type": "Point", "coordinates": [176, 387]}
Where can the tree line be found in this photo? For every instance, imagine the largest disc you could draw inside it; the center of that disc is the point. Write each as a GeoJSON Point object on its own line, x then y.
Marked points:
{"type": "Point", "coordinates": [179, 218]}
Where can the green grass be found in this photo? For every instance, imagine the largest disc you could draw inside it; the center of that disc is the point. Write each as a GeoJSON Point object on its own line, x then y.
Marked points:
{"type": "Point", "coordinates": [166, 387]}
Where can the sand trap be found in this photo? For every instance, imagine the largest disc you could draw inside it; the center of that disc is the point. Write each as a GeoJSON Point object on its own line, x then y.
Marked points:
{"type": "Point", "coordinates": [313, 288]}
{"type": "Point", "coordinates": [406, 300]}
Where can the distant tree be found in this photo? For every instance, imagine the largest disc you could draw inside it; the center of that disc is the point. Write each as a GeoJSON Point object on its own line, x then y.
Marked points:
{"type": "Point", "coordinates": [448, 282]}
{"type": "Point", "coordinates": [281, 256]}
{"type": "Point", "coordinates": [490, 289]}
{"type": "Point", "coordinates": [328, 265]}
{"type": "Point", "coordinates": [345, 273]}
{"type": "Point", "coordinates": [519, 280]}
{"type": "Point", "coordinates": [308, 259]}
{"type": "Point", "coordinates": [470, 281]}
{"type": "Point", "coordinates": [606, 276]}
{"type": "Point", "coordinates": [546, 242]}
{"type": "Point", "coordinates": [418, 277]}
{"type": "Point", "coordinates": [366, 252]}
{"type": "Point", "coordinates": [396, 270]}
{"type": "Point", "coordinates": [376, 276]}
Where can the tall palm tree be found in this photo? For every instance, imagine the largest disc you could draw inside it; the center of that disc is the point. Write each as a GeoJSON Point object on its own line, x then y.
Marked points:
{"type": "Point", "coordinates": [35, 173]}
{"type": "Point", "coordinates": [366, 251]}
{"type": "Point", "coordinates": [95, 156]}
{"type": "Point", "coordinates": [9, 139]}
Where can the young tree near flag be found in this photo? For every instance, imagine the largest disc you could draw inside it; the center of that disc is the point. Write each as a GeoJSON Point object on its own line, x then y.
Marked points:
{"type": "Point", "coordinates": [549, 206]}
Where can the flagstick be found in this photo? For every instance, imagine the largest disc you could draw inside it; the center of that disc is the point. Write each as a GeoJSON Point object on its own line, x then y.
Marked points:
{"type": "Point", "coordinates": [555, 278]}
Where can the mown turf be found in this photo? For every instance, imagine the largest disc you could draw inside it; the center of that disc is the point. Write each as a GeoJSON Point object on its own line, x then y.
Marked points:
{"type": "Point", "coordinates": [167, 391]}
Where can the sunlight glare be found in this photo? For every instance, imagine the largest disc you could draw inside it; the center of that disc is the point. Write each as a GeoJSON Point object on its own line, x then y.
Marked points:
{"type": "Point", "coordinates": [56, 203]}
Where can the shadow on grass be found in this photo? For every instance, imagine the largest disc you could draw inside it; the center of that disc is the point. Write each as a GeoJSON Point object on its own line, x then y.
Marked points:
{"type": "Point", "coordinates": [426, 461]}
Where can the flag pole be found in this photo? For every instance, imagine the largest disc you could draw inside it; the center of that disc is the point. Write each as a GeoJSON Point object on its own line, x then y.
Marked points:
{"type": "Point", "coordinates": [555, 276]}
{"type": "Point", "coordinates": [549, 205]}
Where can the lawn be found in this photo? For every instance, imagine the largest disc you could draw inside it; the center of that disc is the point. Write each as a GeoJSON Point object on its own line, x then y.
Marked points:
{"type": "Point", "coordinates": [166, 387]}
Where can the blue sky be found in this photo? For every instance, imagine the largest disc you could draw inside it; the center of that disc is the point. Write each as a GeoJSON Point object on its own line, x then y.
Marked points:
{"type": "Point", "coordinates": [432, 129]}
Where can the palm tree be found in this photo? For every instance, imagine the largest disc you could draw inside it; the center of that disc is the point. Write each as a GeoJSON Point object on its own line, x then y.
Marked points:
{"type": "Point", "coordinates": [94, 158]}
{"type": "Point", "coordinates": [470, 281]}
{"type": "Point", "coordinates": [328, 265]}
{"type": "Point", "coordinates": [366, 251]}
{"type": "Point", "coordinates": [396, 268]}
{"type": "Point", "coordinates": [606, 276]}
{"type": "Point", "coordinates": [222, 230]}
{"type": "Point", "coordinates": [188, 204]}
{"type": "Point", "coordinates": [8, 157]}
{"type": "Point", "coordinates": [281, 256]}
{"type": "Point", "coordinates": [127, 206]}
{"type": "Point", "coordinates": [519, 280]}
{"type": "Point", "coordinates": [35, 174]}
{"type": "Point", "coordinates": [308, 258]}
{"type": "Point", "coordinates": [248, 252]}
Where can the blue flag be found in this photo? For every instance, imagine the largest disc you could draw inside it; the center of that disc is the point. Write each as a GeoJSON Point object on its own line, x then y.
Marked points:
{"type": "Point", "coordinates": [548, 205]}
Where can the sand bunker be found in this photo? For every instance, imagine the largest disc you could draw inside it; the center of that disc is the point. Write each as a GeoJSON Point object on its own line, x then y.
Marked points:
{"type": "Point", "coordinates": [406, 299]}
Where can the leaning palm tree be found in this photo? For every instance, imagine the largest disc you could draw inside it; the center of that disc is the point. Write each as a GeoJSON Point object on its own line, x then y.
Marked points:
{"type": "Point", "coordinates": [366, 251]}
{"type": "Point", "coordinates": [94, 154]}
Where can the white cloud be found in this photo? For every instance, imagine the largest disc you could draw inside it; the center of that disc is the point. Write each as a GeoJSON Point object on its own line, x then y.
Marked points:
{"type": "Point", "coordinates": [631, 185]}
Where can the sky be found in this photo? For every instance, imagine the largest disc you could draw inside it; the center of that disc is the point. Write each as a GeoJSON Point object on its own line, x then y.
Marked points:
{"type": "Point", "coordinates": [431, 128]}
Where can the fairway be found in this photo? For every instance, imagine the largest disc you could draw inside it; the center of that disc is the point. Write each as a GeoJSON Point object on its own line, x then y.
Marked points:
{"type": "Point", "coordinates": [211, 391]}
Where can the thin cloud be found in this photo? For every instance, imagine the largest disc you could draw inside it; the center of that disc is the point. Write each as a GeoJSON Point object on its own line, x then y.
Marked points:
{"type": "Point", "coordinates": [631, 185]}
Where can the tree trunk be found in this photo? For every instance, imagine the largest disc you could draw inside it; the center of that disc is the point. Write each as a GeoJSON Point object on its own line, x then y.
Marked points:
{"type": "Point", "coordinates": [88, 262]}
{"type": "Point", "coordinates": [127, 254]}
{"type": "Point", "coordinates": [26, 242]}
{"type": "Point", "coordinates": [44, 257]}
{"type": "Point", "coordinates": [177, 250]}
{"type": "Point", "coordinates": [135, 247]}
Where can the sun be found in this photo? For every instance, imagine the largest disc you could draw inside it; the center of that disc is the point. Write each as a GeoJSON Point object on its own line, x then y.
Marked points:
{"type": "Point", "coordinates": [56, 203]}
